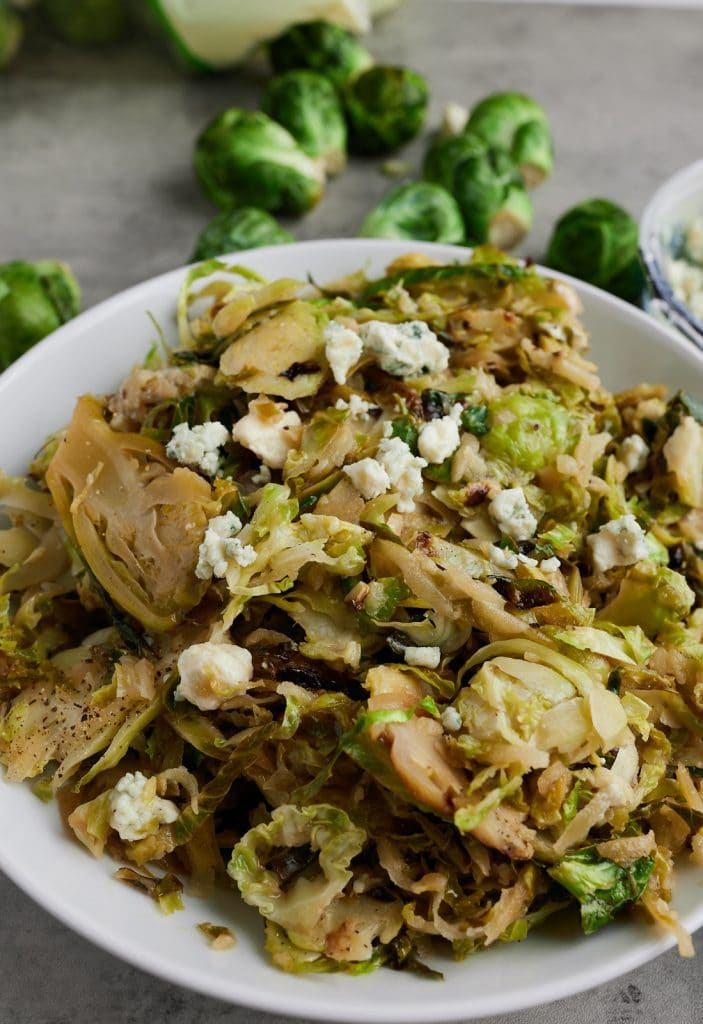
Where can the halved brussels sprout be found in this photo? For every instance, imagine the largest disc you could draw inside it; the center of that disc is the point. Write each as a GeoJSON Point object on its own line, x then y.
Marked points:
{"type": "Point", "coordinates": [243, 157]}
{"type": "Point", "coordinates": [35, 299]}
{"type": "Point", "coordinates": [232, 230]}
{"type": "Point", "coordinates": [385, 108]}
{"type": "Point", "coordinates": [487, 185]}
{"type": "Point", "coordinates": [598, 242]}
{"type": "Point", "coordinates": [142, 551]}
{"type": "Point", "coordinates": [419, 210]}
{"type": "Point", "coordinates": [320, 46]}
{"type": "Point", "coordinates": [527, 431]}
{"type": "Point", "coordinates": [87, 22]}
{"type": "Point", "coordinates": [306, 103]}
{"type": "Point", "coordinates": [11, 34]}
{"type": "Point", "coordinates": [516, 123]}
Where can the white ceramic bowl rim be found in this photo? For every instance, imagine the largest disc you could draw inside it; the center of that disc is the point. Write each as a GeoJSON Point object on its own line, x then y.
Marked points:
{"type": "Point", "coordinates": [329, 997]}
{"type": "Point", "coordinates": [684, 185]}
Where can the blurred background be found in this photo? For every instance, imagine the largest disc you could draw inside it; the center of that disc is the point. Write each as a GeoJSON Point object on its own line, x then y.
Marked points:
{"type": "Point", "coordinates": [101, 104]}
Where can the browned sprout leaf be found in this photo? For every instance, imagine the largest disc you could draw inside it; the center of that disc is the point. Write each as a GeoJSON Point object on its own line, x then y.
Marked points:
{"type": "Point", "coordinates": [144, 550]}
{"type": "Point", "coordinates": [218, 936]}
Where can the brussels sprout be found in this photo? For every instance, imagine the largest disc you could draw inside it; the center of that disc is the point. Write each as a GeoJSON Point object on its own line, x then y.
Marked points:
{"type": "Point", "coordinates": [11, 32]}
{"type": "Point", "coordinates": [232, 230]}
{"type": "Point", "coordinates": [87, 22]}
{"type": "Point", "coordinates": [488, 187]}
{"type": "Point", "coordinates": [419, 210]}
{"type": "Point", "coordinates": [319, 46]}
{"type": "Point", "coordinates": [598, 241]}
{"type": "Point", "coordinates": [650, 596]}
{"type": "Point", "coordinates": [35, 299]}
{"type": "Point", "coordinates": [306, 103]}
{"type": "Point", "coordinates": [513, 121]}
{"type": "Point", "coordinates": [527, 431]}
{"type": "Point", "coordinates": [385, 107]}
{"type": "Point", "coordinates": [244, 157]}
{"type": "Point", "coordinates": [602, 887]}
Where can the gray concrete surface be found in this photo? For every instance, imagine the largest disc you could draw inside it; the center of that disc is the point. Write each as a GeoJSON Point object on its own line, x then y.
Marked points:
{"type": "Point", "coordinates": [95, 168]}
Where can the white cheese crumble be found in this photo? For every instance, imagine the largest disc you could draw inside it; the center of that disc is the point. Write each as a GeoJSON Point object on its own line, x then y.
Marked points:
{"type": "Point", "coordinates": [440, 438]}
{"type": "Point", "coordinates": [198, 446]}
{"type": "Point", "coordinates": [405, 350]}
{"type": "Point", "coordinates": [242, 554]}
{"type": "Point", "coordinates": [219, 546]}
{"type": "Point", "coordinates": [369, 478]}
{"type": "Point", "coordinates": [343, 348]}
{"type": "Point", "coordinates": [357, 407]}
{"type": "Point", "coordinates": [633, 453]}
{"type": "Point", "coordinates": [694, 240]}
{"type": "Point", "coordinates": [451, 720]}
{"type": "Point", "coordinates": [135, 809]}
{"type": "Point", "coordinates": [686, 272]}
{"type": "Point", "coordinates": [423, 657]}
{"type": "Point", "coordinates": [394, 468]}
{"type": "Point", "coordinates": [506, 559]}
{"type": "Point", "coordinates": [262, 476]}
{"type": "Point", "coordinates": [511, 514]}
{"type": "Point", "coordinates": [212, 674]}
{"type": "Point", "coordinates": [404, 471]}
{"type": "Point", "coordinates": [270, 430]}
{"type": "Point", "coordinates": [619, 542]}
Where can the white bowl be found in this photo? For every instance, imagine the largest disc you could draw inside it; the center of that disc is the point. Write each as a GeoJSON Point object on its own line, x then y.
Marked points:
{"type": "Point", "coordinates": [92, 353]}
{"type": "Point", "coordinates": [672, 206]}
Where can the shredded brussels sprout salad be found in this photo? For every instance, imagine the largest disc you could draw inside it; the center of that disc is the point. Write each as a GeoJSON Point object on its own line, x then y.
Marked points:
{"type": "Point", "coordinates": [371, 601]}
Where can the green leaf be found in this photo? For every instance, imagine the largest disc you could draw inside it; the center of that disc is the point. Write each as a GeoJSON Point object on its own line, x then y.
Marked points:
{"type": "Point", "coordinates": [475, 419]}
{"type": "Point", "coordinates": [601, 886]}
{"type": "Point", "coordinates": [498, 272]}
{"type": "Point", "coordinates": [404, 428]}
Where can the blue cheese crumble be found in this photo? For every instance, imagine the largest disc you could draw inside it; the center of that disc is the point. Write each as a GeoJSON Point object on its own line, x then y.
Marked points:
{"type": "Point", "coordinates": [343, 349]}
{"type": "Point", "coordinates": [136, 811]}
{"type": "Point", "coordinates": [633, 453]}
{"type": "Point", "coordinates": [512, 515]}
{"type": "Point", "coordinates": [619, 542]}
{"type": "Point", "coordinates": [220, 547]}
{"type": "Point", "coordinates": [440, 438]}
{"type": "Point", "coordinates": [213, 673]}
{"type": "Point", "coordinates": [405, 350]}
{"type": "Point", "coordinates": [686, 272]}
{"type": "Point", "coordinates": [422, 657]}
{"type": "Point", "coordinates": [404, 471]}
{"type": "Point", "coordinates": [357, 407]}
{"type": "Point", "coordinates": [394, 468]}
{"type": "Point", "coordinates": [198, 446]}
{"type": "Point", "coordinates": [368, 477]}
{"type": "Point", "coordinates": [270, 430]}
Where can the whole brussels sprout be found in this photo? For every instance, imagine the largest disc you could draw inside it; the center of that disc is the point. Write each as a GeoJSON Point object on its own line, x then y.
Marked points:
{"type": "Point", "coordinates": [232, 230]}
{"type": "Point", "coordinates": [385, 107]}
{"type": "Point", "coordinates": [516, 123]}
{"type": "Point", "coordinates": [597, 241]}
{"type": "Point", "coordinates": [11, 32]}
{"type": "Point", "coordinates": [488, 188]}
{"type": "Point", "coordinates": [306, 103]}
{"type": "Point", "coordinates": [245, 158]}
{"type": "Point", "coordinates": [420, 211]}
{"type": "Point", "coordinates": [319, 46]}
{"type": "Point", "coordinates": [35, 299]}
{"type": "Point", "coordinates": [87, 22]}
